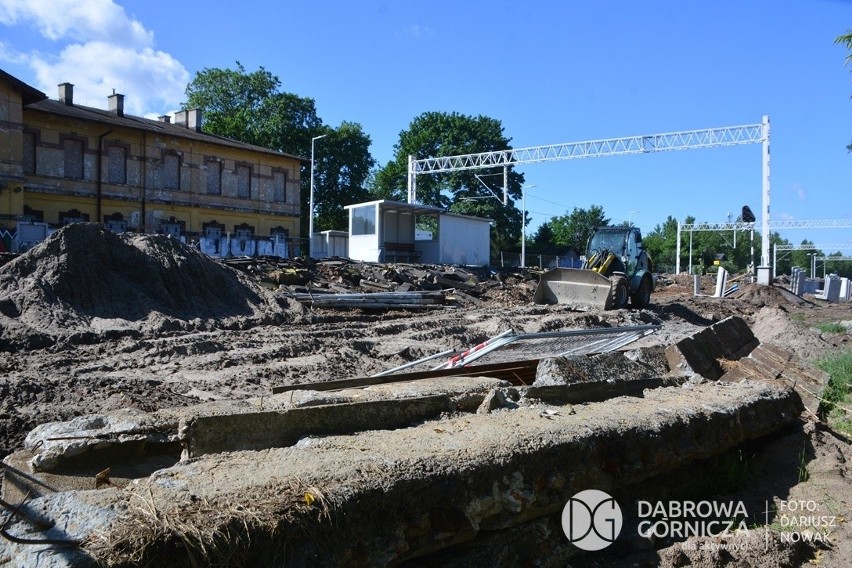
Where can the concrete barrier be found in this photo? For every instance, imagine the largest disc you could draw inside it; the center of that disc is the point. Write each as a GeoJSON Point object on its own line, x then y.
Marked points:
{"type": "Point", "coordinates": [203, 435]}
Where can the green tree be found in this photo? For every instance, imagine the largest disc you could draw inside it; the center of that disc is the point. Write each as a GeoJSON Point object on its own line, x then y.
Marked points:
{"type": "Point", "coordinates": [542, 241]}
{"type": "Point", "coordinates": [472, 192]}
{"type": "Point", "coordinates": [846, 41]}
{"type": "Point", "coordinates": [661, 244]}
{"type": "Point", "coordinates": [251, 107]}
{"type": "Point", "coordinates": [573, 230]}
{"type": "Point", "coordinates": [341, 171]}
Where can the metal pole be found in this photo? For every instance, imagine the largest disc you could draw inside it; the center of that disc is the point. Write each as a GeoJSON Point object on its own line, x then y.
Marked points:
{"type": "Point", "coordinates": [774, 257]}
{"type": "Point", "coordinates": [311, 205]}
{"type": "Point", "coordinates": [753, 272]}
{"type": "Point", "coordinates": [412, 181]}
{"type": "Point", "coordinates": [764, 253]}
{"type": "Point", "coordinates": [677, 250]}
{"type": "Point", "coordinates": [523, 226]}
{"type": "Point", "coordinates": [690, 252]}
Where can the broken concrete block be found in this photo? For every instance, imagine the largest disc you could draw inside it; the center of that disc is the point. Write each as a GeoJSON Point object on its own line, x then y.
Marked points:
{"type": "Point", "coordinates": [582, 368]}
{"type": "Point", "coordinates": [768, 362]}
{"type": "Point", "coordinates": [700, 353]}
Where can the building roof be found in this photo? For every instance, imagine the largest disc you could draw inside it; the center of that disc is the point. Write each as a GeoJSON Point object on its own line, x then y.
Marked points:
{"type": "Point", "coordinates": [29, 94]}
{"type": "Point", "coordinates": [388, 205]}
{"type": "Point", "coordinates": [110, 118]}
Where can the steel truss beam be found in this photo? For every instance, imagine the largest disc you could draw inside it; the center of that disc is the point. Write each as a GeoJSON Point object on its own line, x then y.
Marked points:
{"type": "Point", "coordinates": [846, 246]}
{"type": "Point", "coordinates": [717, 227]}
{"type": "Point", "coordinates": [818, 224]}
{"type": "Point", "coordinates": [691, 139]}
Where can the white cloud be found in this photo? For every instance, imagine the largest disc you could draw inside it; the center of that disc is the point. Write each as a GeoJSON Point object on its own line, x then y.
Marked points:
{"type": "Point", "coordinates": [79, 20]}
{"type": "Point", "coordinates": [415, 31]}
{"type": "Point", "coordinates": [799, 190]}
{"type": "Point", "coordinates": [98, 48]}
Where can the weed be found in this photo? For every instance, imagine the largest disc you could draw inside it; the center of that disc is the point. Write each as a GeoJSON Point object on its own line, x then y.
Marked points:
{"type": "Point", "coordinates": [831, 327]}
{"type": "Point", "coordinates": [836, 394]}
{"type": "Point", "coordinates": [804, 474]}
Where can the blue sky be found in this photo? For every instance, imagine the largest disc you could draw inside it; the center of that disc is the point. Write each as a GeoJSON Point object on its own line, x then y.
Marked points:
{"type": "Point", "coordinates": [550, 71]}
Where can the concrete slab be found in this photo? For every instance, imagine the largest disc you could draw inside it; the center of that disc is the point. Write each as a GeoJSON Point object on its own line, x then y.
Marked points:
{"type": "Point", "coordinates": [384, 497]}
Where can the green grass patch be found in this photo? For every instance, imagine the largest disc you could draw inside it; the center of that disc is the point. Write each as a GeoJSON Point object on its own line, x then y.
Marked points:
{"type": "Point", "coordinates": [838, 391]}
{"type": "Point", "coordinates": [831, 327]}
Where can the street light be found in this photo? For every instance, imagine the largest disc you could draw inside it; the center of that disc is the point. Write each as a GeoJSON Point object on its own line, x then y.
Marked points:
{"type": "Point", "coordinates": [630, 216]}
{"type": "Point", "coordinates": [311, 206]}
{"type": "Point", "coordinates": [524, 225]}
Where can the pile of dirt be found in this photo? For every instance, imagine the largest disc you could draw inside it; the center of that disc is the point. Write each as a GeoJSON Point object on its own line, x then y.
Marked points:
{"type": "Point", "coordinates": [85, 282]}
{"type": "Point", "coordinates": [470, 285]}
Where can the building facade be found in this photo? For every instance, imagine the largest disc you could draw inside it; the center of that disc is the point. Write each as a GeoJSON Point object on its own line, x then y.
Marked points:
{"type": "Point", "coordinates": [61, 163]}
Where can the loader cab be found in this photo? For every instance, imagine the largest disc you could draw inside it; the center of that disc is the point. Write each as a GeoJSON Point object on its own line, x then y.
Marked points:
{"type": "Point", "coordinates": [624, 242]}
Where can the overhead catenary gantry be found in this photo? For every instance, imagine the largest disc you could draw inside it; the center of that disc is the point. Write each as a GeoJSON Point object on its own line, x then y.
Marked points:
{"type": "Point", "coordinates": [739, 226]}
{"type": "Point", "coordinates": [839, 223]}
{"type": "Point", "coordinates": [646, 144]}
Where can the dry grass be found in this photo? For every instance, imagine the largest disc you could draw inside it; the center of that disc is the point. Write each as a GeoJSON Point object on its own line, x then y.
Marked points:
{"type": "Point", "coordinates": [198, 533]}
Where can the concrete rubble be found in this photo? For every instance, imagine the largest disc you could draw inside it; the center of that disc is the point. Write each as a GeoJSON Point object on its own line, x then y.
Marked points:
{"type": "Point", "coordinates": [390, 472]}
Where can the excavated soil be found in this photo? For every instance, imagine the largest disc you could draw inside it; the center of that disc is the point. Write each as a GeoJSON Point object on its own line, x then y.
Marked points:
{"type": "Point", "coordinates": [91, 321]}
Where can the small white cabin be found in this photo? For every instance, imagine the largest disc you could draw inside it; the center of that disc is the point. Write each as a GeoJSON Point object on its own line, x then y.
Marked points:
{"type": "Point", "coordinates": [384, 231]}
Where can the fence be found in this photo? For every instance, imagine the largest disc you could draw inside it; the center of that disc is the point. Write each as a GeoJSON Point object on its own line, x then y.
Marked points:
{"type": "Point", "coordinates": [513, 260]}
{"type": "Point", "coordinates": [27, 235]}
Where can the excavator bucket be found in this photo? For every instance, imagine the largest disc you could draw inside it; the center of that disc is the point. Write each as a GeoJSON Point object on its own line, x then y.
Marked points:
{"type": "Point", "coordinates": [574, 286]}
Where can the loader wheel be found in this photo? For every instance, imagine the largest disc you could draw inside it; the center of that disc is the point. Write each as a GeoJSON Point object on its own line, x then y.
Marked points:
{"type": "Point", "coordinates": [642, 297]}
{"type": "Point", "coordinates": [620, 293]}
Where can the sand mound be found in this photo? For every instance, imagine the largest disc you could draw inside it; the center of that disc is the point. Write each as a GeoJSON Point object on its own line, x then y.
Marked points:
{"type": "Point", "coordinates": [774, 325]}
{"type": "Point", "coordinates": [85, 280]}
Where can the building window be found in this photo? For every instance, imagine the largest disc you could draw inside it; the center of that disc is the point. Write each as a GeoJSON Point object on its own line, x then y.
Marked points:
{"type": "Point", "coordinates": [115, 223]}
{"type": "Point", "coordinates": [173, 227]}
{"type": "Point", "coordinates": [279, 186]}
{"type": "Point", "coordinates": [116, 164]}
{"type": "Point", "coordinates": [29, 153]}
{"type": "Point", "coordinates": [73, 162]}
{"type": "Point", "coordinates": [214, 178]}
{"type": "Point", "coordinates": [364, 220]}
{"type": "Point", "coordinates": [243, 175]}
{"type": "Point", "coordinates": [171, 172]}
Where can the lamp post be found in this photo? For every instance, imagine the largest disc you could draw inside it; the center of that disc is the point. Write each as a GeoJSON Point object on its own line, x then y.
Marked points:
{"type": "Point", "coordinates": [311, 205]}
{"type": "Point", "coordinates": [630, 217]}
{"type": "Point", "coordinates": [524, 225]}
{"type": "Point", "coordinates": [813, 264]}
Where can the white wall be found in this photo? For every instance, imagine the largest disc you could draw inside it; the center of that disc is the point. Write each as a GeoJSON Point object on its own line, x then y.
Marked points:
{"type": "Point", "coordinates": [330, 243]}
{"type": "Point", "coordinates": [464, 240]}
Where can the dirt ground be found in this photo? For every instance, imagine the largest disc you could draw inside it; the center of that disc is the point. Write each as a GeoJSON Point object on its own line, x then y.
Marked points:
{"type": "Point", "coordinates": [91, 321]}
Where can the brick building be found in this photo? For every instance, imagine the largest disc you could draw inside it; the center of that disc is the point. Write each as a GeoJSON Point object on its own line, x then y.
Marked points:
{"type": "Point", "coordinates": [61, 162]}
